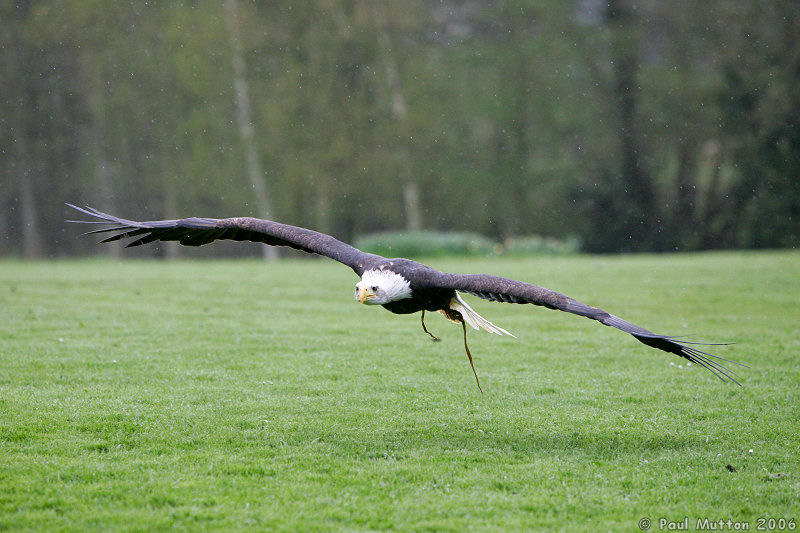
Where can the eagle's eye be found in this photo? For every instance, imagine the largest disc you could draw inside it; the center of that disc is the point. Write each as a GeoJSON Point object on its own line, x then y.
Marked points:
{"type": "Point", "coordinates": [374, 288]}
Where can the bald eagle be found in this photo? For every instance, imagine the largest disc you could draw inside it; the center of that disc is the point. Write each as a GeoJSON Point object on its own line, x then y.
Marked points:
{"type": "Point", "coordinates": [400, 285]}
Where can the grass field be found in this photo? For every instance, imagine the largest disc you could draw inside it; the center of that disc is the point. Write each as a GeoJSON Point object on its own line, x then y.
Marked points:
{"type": "Point", "coordinates": [234, 395]}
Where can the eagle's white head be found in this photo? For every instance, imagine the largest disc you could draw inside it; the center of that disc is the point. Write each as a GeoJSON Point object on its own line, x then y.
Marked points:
{"type": "Point", "coordinates": [378, 287]}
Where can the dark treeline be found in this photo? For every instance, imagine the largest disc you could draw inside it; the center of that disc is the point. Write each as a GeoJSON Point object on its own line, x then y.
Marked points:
{"type": "Point", "coordinates": [633, 125]}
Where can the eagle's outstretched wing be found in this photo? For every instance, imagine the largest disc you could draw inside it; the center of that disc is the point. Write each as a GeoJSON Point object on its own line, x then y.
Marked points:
{"type": "Point", "coordinates": [199, 231]}
{"type": "Point", "coordinates": [499, 289]}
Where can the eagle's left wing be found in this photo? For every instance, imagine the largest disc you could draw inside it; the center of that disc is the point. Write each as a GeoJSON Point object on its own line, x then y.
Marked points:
{"type": "Point", "coordinates": [498, 289]}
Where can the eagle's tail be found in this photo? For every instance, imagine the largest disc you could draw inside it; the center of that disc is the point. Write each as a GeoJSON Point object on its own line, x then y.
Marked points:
{"type": "Point", "coordinates": [472, 318]}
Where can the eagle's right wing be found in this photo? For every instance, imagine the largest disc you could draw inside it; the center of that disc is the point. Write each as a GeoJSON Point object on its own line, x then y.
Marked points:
{"type": "Point", "coordinates": [200, 231]}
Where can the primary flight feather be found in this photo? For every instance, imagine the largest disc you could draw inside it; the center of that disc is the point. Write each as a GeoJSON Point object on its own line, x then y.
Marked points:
{"type": "Point", "coordinates": [400, 285]}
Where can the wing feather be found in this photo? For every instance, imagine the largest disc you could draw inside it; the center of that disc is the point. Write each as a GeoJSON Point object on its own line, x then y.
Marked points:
{"type": "Point", "coordinates": [200, 231]}
{"type": "Point", "coordinates": [498, 289]}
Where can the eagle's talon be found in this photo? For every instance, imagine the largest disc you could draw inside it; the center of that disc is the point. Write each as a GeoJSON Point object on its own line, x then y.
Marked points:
{"type": "Point", "coordinates": [422, 319]}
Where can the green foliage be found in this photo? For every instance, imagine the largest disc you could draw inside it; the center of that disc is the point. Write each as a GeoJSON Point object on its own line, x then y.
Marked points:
{"type": "Point", "coordinates": [426, 244]}
{"type": "Point", "coordinates": [212, 396]}
{"type": "Point", "coordinates": [538, 245]}
{"type": "Point", "coordinates": [635, 127]}
{"type": "Point", "coordinates": [461, 244]}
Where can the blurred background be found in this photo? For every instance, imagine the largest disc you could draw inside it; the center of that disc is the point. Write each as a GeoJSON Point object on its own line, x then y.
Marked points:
{"type": "Point", "coordinates": [600, 126]}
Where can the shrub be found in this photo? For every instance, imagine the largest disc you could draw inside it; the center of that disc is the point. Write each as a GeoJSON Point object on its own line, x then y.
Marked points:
{"type": "Point", "coordinates": [538, 245]}
{"type": "Point", "coordinates": [426, 244]}
{"type": "Point", "coordinates": [438, 243]}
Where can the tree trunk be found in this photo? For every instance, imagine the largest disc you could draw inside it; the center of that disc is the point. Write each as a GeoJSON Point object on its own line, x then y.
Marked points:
{"type": "Point", "coordinates": [684, 216]}
{"type": "Point", "coordinates": [398, 110]}
{"type": "Point", "coordinates": [714, 199]}
{"type": "Point", "coordinates": [5, 226]}
{"type": "Point", "coordinates": [26, 165]}
{"type": "Point", "coordinates": [245, 122]}
{"type": "Point", "coordinates": [105, 181]}
{"type": "Point", "coordinates": [638, 209]}
{"type": "Point", "coordinates": [94, 136]}
{"type": "Point", "coordinates": [171, 248]}
{"type": "Point", "coordinates": [29, 216]}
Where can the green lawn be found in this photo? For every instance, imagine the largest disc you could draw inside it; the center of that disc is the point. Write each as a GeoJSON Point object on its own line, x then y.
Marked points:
{"type": "Point", "coordinates": [232, 395]}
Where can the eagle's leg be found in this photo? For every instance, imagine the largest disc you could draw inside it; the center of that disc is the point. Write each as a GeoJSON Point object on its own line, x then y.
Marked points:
{"type": "Point", "coordinates": [454, 315]}
{"type": "Point", "coordinates": [434, 337]}
{"type": "Point", "coordinates": [469, 355]}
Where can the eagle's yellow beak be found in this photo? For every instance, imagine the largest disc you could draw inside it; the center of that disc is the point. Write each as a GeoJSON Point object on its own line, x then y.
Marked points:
{"type": "Point", "coordinates": [364, 294]}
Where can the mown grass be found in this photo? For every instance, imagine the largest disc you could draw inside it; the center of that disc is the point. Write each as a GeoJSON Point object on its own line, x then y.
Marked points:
{"type": "Point", "coordinates": [235, 395]}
